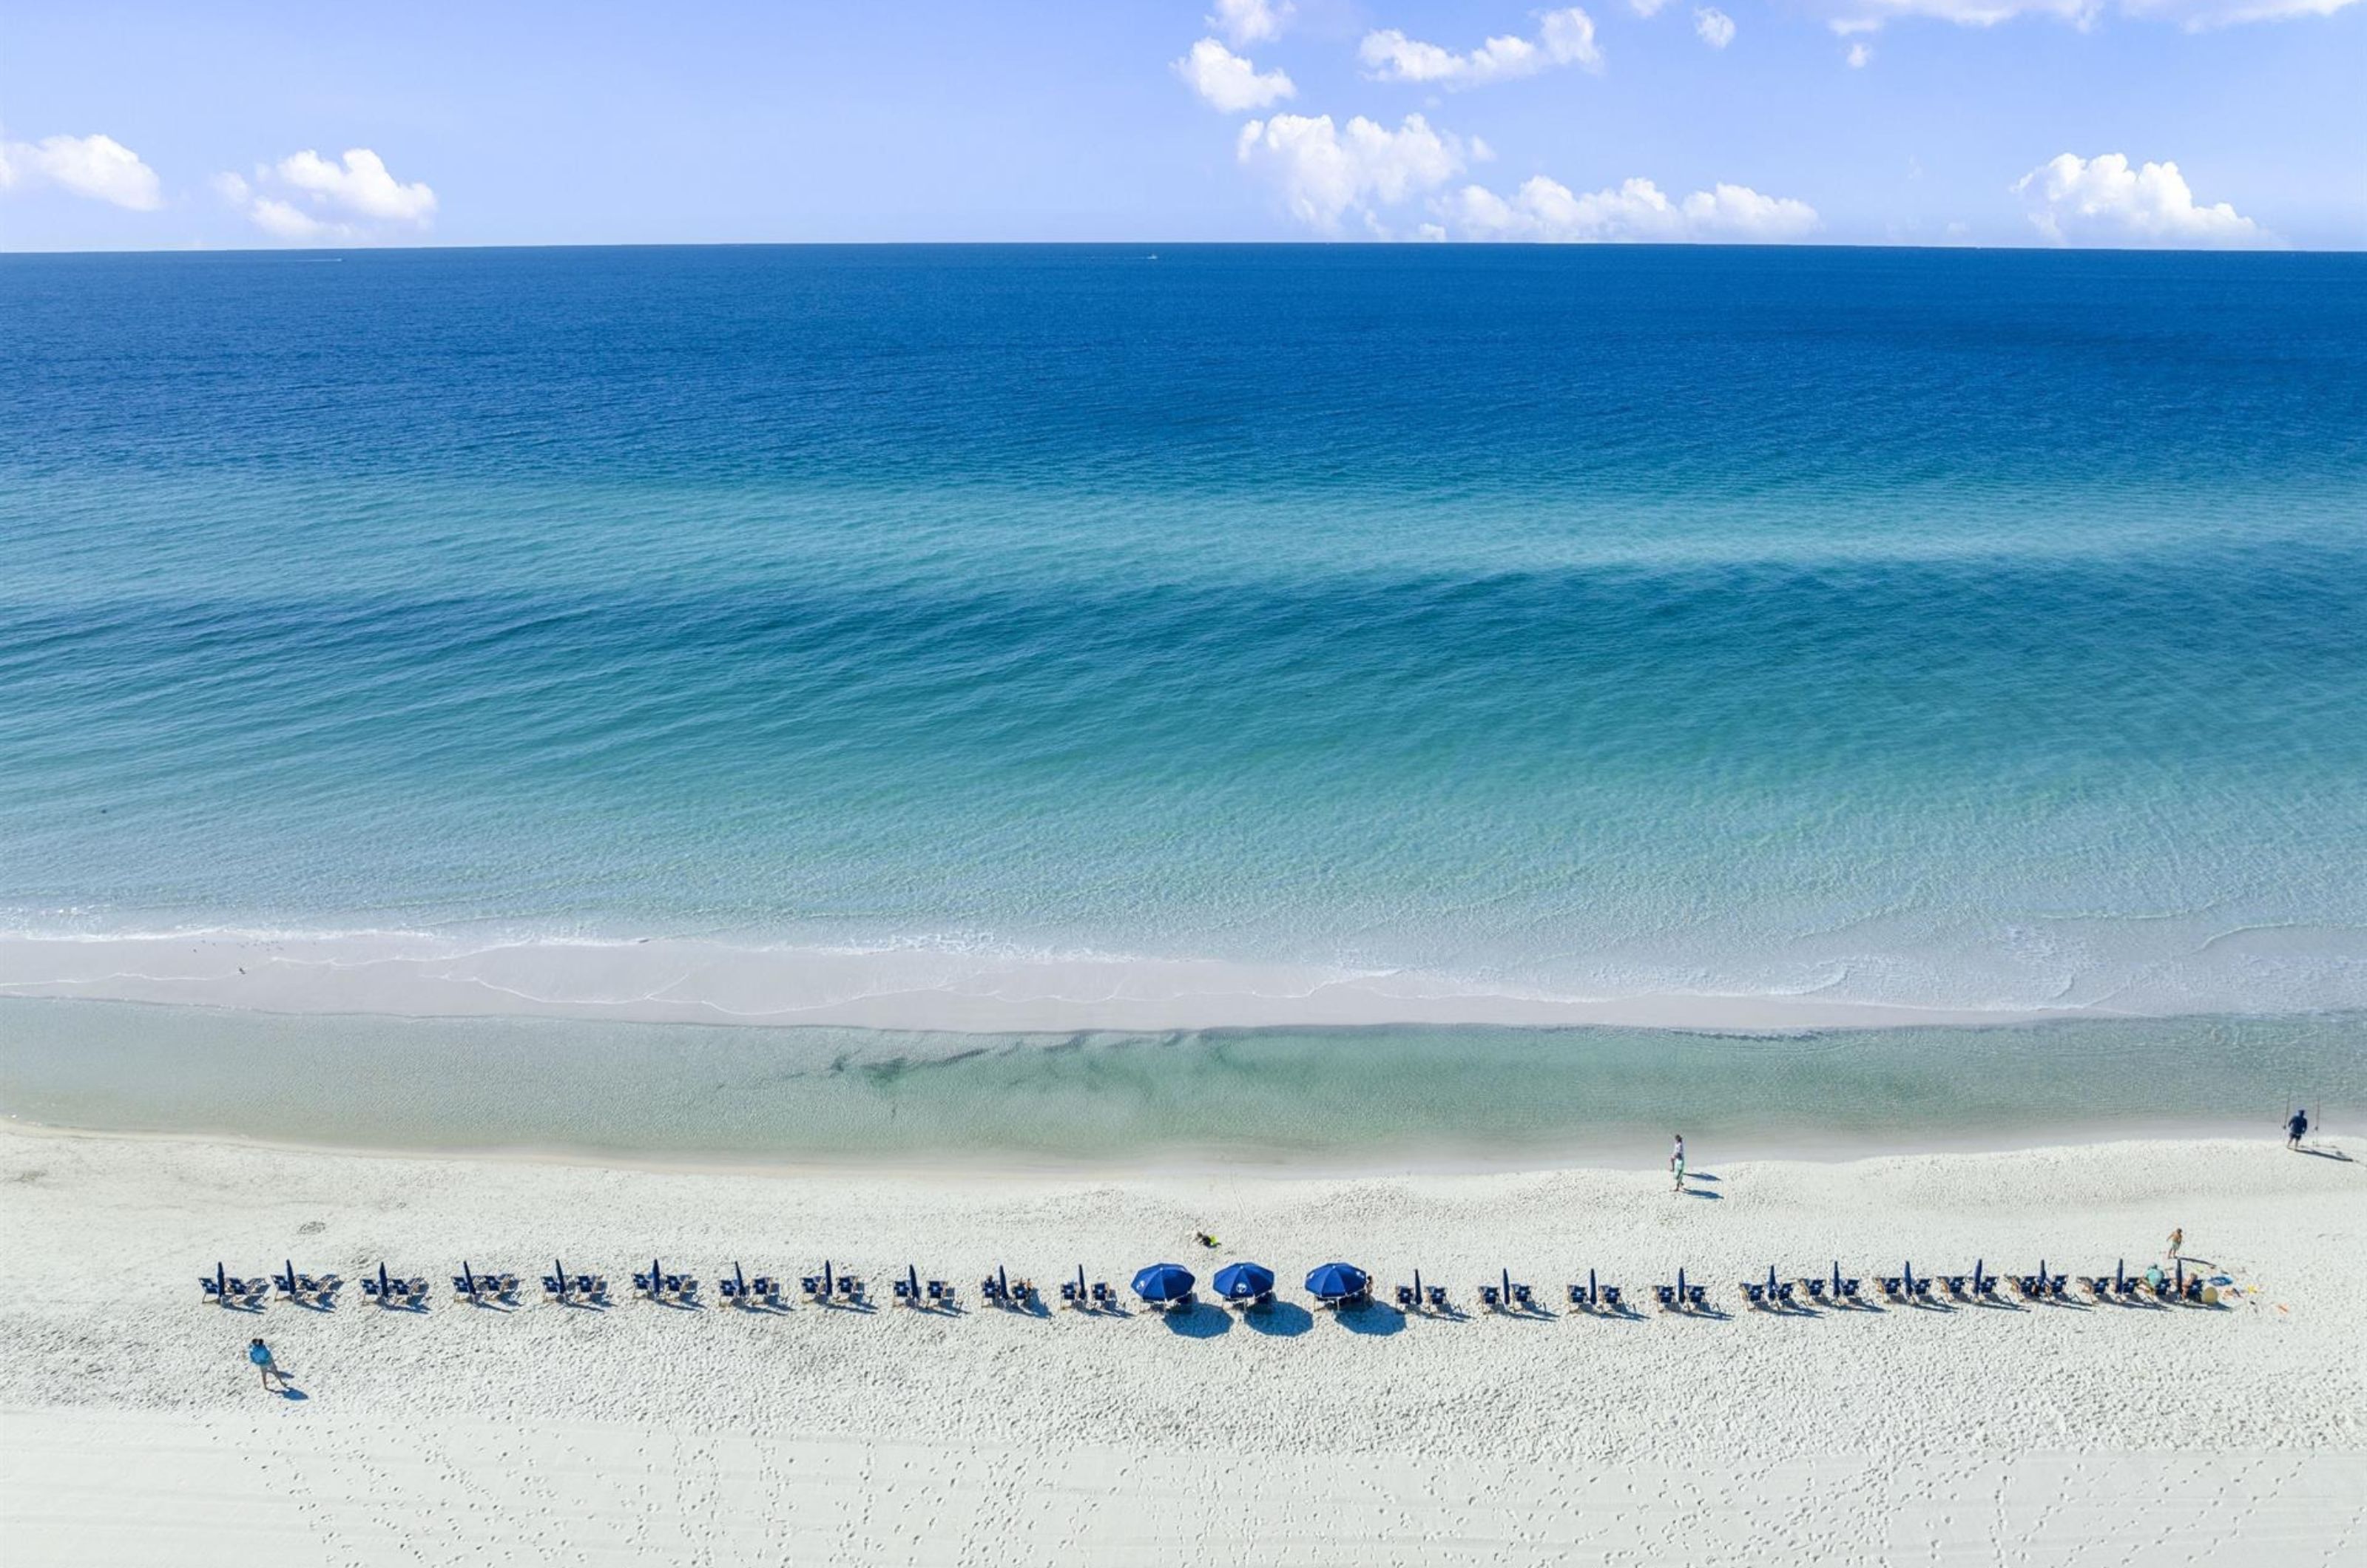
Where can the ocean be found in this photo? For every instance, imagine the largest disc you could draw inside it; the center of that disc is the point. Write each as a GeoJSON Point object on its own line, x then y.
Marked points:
{"type": "Point", "coordinates": [1366, 644]}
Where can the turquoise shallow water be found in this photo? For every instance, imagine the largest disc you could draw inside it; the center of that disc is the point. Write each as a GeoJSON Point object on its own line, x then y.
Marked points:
{"type": "Point", "coordinates": [1331, 1100]}
{"type": "Point", "coordinates": [1985, 632]}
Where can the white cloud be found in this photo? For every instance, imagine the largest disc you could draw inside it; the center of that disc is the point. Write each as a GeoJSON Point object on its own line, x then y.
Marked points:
{"type": "Point", "coordinates": [98, 167]}
{"type": "Point", "coordinates": [1636, 210]}
{"type": "Point", "coordinates": [1859, 56]}
{"type": "Point", "coordinates": [1326, 172]}
{"type": "Point", "coordinates": [1716, 28]}
{"type": "Point", "coordinates": [2194, 15]}
{"type": "Point", "coordinates": [1250, 21]}
{"type": "Point", "coordinates": [2103, 200]}
{"type": "Point", "coordinates": [1564, 38]}
{"type": "Point", "coordinates": [360, 185]}
{"type": "Point", "coordinates": [307, 197]}
{"type": "Point", "coordinates": [1229, 83]}
{"type": "Point", "coordinates": [1645, 7]}
{"type": "Point", "coordinates": [284, 220]}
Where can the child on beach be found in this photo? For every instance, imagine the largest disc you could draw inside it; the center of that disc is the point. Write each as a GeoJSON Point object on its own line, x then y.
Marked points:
{"type": "Point", "coordinates": [260, 1354]}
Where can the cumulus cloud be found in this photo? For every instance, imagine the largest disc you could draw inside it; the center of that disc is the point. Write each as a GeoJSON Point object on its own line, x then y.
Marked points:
{"type": "Point", "coordinates": [1250, 21]}
{"type": "Point", "coordinates": [2105, 202]}
{"type": "Point", "coordinates": [2194, 15]}
{"type": "Point", "coordinates": [1635, 211]}
{"type": "Point", "coordinates": [1226, 81]}
{"type": "Point", "coordinates": [1564, 38]}
{"type": "Point", "coordinates": [98, 167]}
{"type": "Point", "coordinates": [307, 197]}
{"type": "Point", "coordinates": [1716, 28]}
{"type": "Point", "coordinates": [361, 186]}
{"type": "Point", "coordinates": [1326, 172]}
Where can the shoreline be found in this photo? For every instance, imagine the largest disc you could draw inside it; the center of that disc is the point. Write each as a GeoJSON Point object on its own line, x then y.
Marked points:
{"type": "Point", "coordinates": [943, 988]}
{"type": "Point", "coordinates": [129, 1416]}
{"type": "Point", "coordinates": [1288, 1101]}
{"type": "Point", "coordinates": [1248, 1164]}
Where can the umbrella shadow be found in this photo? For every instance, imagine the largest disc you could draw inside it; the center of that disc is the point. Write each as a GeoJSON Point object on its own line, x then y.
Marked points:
{"type": "Point", "coordinates": [1281, 1320]}
{"type": "Point", "coordinates": [1199, 1321]}
{"type": "Point", "coordinates": [1371, 1317]}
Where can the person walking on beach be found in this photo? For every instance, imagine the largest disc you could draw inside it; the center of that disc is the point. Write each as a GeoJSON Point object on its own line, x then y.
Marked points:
{"type": "Point", "coordinates": [2176, 1240]}
{"type": "Point", "coordinates": [260, 1354]}
{"type": "Point", "coordinates": [1677, 1162]}
{"type": "Point", "coordinates": [2295, 1128]}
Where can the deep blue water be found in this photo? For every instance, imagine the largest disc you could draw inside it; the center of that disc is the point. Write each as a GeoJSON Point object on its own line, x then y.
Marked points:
{"type": "Point", "coordinates": [1986, 630]}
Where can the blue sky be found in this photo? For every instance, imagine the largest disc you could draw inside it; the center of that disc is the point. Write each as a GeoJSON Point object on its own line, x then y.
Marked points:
{"type": "Point", "coordinates": [2179, 122]}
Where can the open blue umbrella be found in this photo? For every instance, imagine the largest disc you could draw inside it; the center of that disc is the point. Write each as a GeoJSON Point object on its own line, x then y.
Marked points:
{"type": "Point", "coordinates": [1163, 1283]}
{"type": "Point", "coordinates": [1337, 1282]}
{"type": "Point", "coordinates": [1243, 1281]}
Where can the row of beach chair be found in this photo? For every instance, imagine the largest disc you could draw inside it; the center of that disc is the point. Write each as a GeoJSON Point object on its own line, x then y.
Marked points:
{"type": "Point", "coordinates": [1168, 1288]}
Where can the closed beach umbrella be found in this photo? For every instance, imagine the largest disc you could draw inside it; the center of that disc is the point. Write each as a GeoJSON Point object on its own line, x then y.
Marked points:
{"type": "Point", "coordinates": [1163, 1283]}
{"type": "Point", "coordinates": [1837, 1279]}
{"type": "Point", "coordinates": [381, 1280]}
{"type": "Point", "coordinates": [1336, 1282]}
{"type": "Point", "coordinates": [558, 1273]}
{"type": "Point", "coordinates": [222, 1278]}
{"type": "Point", "coordinates": [1243, 1281]}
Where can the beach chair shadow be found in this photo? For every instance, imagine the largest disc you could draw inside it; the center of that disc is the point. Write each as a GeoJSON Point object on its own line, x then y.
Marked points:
{"type": "Point", "coordinates": [1279, 1320]}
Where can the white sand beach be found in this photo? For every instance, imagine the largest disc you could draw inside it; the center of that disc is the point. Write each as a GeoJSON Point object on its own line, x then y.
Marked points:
{"type": "Point", "coordinates": [133, 1431]}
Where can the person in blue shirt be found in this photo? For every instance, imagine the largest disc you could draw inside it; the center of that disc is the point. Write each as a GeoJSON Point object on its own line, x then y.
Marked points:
{"type": "Point", "coordinates": [2295, 1128]}
{"type": "Point", "coordinates": [260, 1354]}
